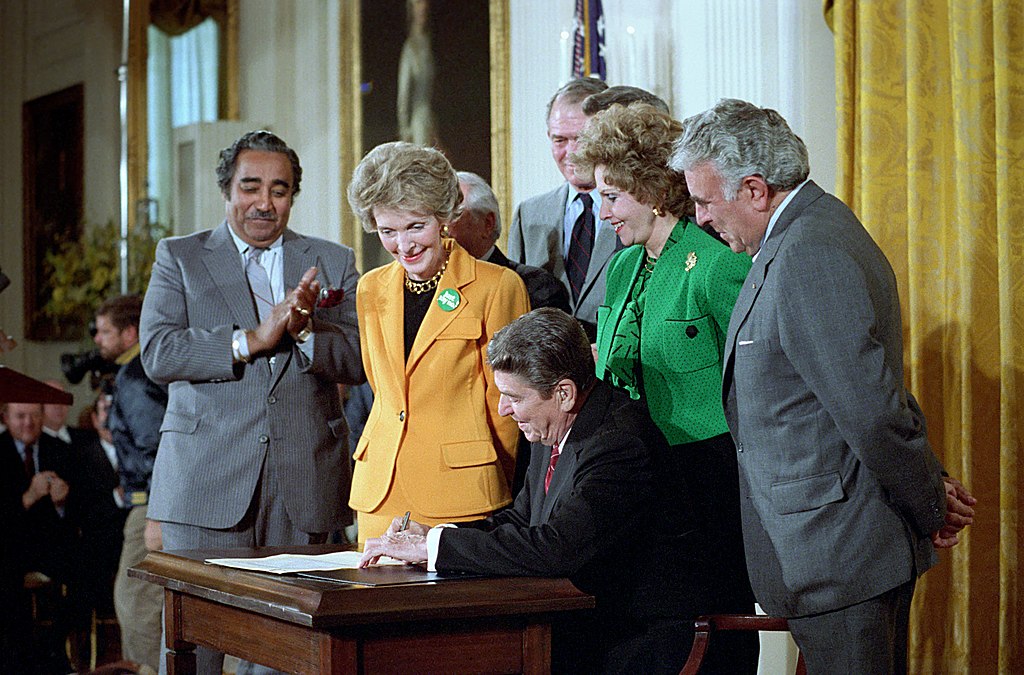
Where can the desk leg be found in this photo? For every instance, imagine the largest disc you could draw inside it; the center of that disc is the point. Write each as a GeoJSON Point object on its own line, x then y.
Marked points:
{"type": "Point", "coordinates": [537, 649]}
{"type": "Point", "coordinates": [337, 655]}
{"type": "Point", "coordinates": [181, 657]}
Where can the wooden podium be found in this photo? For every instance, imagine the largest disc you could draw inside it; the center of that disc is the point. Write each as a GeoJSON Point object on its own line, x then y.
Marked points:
{"type": "Point", "coordinates": [18, 388]}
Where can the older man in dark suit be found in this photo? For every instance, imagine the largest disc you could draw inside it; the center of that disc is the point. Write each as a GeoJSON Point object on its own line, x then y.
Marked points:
{"type": "Point", "coordinates": [478, 229]}
{"type": "Point", "coordinates": [39, 534]}
{"type": "Point", "coordinates": [593, 508]}
{"type": "Point", "coordinates": [842, 496]}
{"type": "Point", "coordinates": [253, 447]}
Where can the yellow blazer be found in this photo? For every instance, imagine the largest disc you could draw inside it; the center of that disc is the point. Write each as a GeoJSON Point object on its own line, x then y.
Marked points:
{"type": "Point", "coordinates": [434, 428]}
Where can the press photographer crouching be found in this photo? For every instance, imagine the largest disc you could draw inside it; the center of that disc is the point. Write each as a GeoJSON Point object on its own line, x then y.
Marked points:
{"type": "Point", "coordinates": [136, 412]}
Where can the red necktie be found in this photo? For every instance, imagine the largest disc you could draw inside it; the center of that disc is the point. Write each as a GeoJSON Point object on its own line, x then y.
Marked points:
{"type": "Point", "coordinates": [551, 466]}
{"type": "Point", "coordinates": [30, 464]}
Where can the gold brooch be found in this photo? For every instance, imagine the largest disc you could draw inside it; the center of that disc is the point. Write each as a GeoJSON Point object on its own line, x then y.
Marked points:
{"type": "Point", "coordinates": [691, 261]}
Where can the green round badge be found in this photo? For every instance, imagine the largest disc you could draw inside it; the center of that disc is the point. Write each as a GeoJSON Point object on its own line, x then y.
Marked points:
{"type": "Point", "coordinates": [449, 299]}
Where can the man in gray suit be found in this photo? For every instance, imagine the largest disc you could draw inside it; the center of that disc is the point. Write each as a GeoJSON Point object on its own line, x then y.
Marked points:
{"type": "Point", "coordinates": [842, 496]}
{"type": "Point", "coordinates": [543, 226]}
{"type": "Point", "coordinates": [253, 448]}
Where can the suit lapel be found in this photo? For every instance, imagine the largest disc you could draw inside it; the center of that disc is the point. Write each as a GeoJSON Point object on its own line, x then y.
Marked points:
{"type": "Point", "coordinates": [591, 416]}
{"type": "Point", "coordinates": [758, 273]}
{"type": "Point", "coordinates": [224, 264]}
{"type": "Point", "coordinates": [555, 235]}
{"type": "Point", "coordinates": [297, 258]}
{"type": "Point", "coordinates": [388, 310]}
{"type": "Point", "coordinates": [461, 271]}
{"type": "Point", "coordinates": [604, 248]}
{"type": "Point", "coordinates": [561, 480]}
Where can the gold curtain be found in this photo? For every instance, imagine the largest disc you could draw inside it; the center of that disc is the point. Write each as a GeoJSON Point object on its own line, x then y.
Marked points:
{"type": "Point", "coordinates": [930, 152]}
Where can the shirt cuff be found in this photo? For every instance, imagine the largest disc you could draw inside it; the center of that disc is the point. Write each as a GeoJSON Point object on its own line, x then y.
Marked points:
{"type": "Point", "coordinates": [307, 346]}
{"type": "Point", "coordinates": [433, 542]}
{"type": "Point", "coordinates": [240, 346]}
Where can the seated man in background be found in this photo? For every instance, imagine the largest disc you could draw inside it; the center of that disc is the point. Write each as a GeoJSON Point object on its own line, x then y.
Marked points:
{"type": "Point", "coordinates": [593, 509]}
{"type": "Point", "coordinates": [38, 535]}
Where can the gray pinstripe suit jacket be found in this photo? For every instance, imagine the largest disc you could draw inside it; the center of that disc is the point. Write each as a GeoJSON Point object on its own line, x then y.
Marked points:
{"type": "Point", "coordinates": [838, 484]}
{"type": "Point", "coordinates": [225, 420]}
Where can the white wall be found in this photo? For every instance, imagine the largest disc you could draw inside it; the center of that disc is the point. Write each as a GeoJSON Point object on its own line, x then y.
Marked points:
{"type": "Point", "coordinates": [288, 57]}
{"type": "Point", "coordinates": [48, 46]}
{"type": "Point", "coordinates": [776, 53]}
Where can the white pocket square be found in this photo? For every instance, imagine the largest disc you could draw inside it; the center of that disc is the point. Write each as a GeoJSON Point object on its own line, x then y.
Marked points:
{"type": "Point", "coordinates": [743, 343]}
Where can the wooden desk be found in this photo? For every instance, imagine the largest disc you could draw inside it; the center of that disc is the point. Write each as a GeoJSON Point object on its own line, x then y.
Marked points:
{"type": "Point", "coordinates": [297, 625]}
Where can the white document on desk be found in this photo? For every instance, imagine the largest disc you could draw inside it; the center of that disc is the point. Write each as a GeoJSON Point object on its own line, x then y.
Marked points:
{"type": "Point", "coordinates": [289, 563]}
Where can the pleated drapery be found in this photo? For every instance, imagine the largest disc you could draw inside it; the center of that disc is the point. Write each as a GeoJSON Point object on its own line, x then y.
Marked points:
{"type": "Point", "coordinates": [930, 153]}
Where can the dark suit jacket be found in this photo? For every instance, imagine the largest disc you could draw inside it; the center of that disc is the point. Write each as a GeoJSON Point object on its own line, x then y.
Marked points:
{"type": "Point", "coordinates": [39, 538]}
{"type": "Point", "coordinates": [100, 519]}
{"type": "Point", "coordinates": [607, 522]}
{"type": "Point", "coordinates": [839, 486]}
{"type": "Point", "coordinates": [542, 287]}
{"type": "Point", "coordinates": [224, 420]}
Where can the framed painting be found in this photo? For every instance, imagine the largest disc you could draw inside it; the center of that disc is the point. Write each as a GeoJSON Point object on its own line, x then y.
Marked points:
{"type": "Point", "coordinates": [433, 72]}
{"type": "Point", "coordinates": [52, 192]}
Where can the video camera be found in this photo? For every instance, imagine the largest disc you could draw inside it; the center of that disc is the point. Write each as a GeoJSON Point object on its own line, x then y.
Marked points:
{"type": "Point", "coordinates": [76, 366]}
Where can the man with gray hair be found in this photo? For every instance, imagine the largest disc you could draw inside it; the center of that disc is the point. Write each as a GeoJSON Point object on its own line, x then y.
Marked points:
{"type": "Point", "coordinates": [561, 231]}
{"type": "Point", "coordinates": [842, 497]}
{"type": "Point", "coordinates": [477, 230]}
{"type": "Point", "coordinates": [253, 447]}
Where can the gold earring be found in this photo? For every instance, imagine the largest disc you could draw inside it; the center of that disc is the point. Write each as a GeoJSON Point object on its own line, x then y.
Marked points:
{"type": "Point", "coordinates": [657, 212]}
{"type": "Point", "coordinates": [445, 232]}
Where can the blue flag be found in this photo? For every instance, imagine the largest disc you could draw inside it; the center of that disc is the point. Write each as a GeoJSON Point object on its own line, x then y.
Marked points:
{"type": "Point", "coordinates": [588, 45]}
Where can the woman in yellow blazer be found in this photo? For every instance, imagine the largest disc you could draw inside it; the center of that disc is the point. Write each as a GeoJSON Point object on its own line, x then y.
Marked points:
{"type": "Point", "coordinates": [434, 443]}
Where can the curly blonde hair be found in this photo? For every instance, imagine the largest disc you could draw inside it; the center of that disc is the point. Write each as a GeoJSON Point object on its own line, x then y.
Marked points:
{"type": "Point", "coordinates": [632, 144]}
{"type": "Point", "coordinates": [400, 175]}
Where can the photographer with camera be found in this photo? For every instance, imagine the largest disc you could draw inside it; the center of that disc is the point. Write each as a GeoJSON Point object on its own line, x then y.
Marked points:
{"type": "Point", "coordinates": [136, 412]}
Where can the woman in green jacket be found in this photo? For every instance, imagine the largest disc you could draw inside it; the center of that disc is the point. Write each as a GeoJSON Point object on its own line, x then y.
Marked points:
{"type": "Point", "coordinates": [660, 337]}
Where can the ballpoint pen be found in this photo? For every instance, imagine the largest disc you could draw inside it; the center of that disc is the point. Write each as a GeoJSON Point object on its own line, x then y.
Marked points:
{"type": "Point", "coordinates": [405, 522]}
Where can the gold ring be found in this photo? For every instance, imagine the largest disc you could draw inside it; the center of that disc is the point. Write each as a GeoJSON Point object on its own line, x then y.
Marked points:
{"type": "Point", "coordinates": [302, 310]}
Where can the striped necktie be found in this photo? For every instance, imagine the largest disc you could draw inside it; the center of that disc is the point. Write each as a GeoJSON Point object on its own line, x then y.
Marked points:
{"type": "Point", "coordinates": [555, 452]}
{"type": "Point", "coordinates": [259, 282]}
{"type": "Point", "coordinates": [580, 246]}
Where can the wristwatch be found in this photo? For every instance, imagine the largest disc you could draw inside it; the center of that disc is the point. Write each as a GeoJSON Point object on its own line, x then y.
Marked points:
{"type": "Point", "coordinates": [236, 349]}
{"type": "Point", "coordinates": [304, 334]}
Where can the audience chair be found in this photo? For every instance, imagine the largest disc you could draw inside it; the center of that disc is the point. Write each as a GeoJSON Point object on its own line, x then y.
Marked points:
{"type": "Point", "coordinates": [43, 595]}
{"type": "Point", "coordinates": [705, 626]}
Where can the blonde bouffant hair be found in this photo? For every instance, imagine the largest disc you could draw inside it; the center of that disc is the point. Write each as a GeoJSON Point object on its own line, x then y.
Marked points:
{"type": "Point", "coordinates": [632, 144]}
{"type": "Point", "coordinates": [406, 176]}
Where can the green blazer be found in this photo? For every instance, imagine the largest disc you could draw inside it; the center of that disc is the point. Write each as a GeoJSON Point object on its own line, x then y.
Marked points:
{"type": "Point", "coordinates": [689, 299]}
